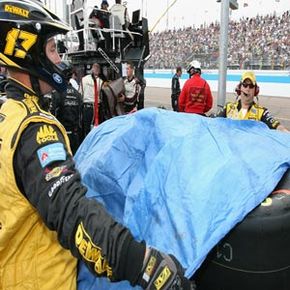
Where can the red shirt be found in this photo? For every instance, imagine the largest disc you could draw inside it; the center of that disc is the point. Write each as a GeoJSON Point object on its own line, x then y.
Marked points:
{"type": "Point", "coordinates": [195, 96]}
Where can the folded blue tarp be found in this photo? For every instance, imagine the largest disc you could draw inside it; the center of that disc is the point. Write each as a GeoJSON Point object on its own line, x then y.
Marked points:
{"type": "Point", "coordinates": [179, 181]}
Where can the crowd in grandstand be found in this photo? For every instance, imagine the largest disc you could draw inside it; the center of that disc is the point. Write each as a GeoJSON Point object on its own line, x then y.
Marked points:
{"type": "Point", "coordinates": [262, 42]}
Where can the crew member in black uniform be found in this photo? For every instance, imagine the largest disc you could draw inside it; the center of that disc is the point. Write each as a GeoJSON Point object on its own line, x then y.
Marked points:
{"type": "Point", "coordinates": [43, 208]}
{"type": "Point", "coordinates": [175, 89]}
{"type": "Point", "coordinates": [67, 108]}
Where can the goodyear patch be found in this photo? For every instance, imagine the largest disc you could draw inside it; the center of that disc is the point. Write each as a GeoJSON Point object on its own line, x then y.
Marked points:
{"type": "Point", "coordinates": [51, 153]}
{"type": "Point", "coordinates": [90, 252]}
{"type": "Point", "coordinates": [17, 10]}
{"type": "Point", "coordinates": [59, 183]}
{"type": "Point", "coordinates": [54, 172]}
{"type": "Point", "coordinates": [162, 278]}
{"type": "Point", "coordinates": [46, 133]}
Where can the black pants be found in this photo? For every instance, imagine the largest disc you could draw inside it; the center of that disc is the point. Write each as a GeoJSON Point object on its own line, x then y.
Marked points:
{"type": "Point", "coordinates": [88, 118]}
{"type": "Point", "coordinates": [174, 103]}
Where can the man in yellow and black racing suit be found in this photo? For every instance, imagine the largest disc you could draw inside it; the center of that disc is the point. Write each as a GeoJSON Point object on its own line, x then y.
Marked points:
{"type": "Point", "coordinates": [245, 108]}
{"type": "Point", "coordinates": [46, 221]}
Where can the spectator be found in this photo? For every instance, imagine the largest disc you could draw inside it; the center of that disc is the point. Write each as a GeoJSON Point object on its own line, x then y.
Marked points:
{"type": "Point", "coordinates": [263, 43]}
{"type": "Point", "coordinates": [120, 10]}
{"type": "Point", "coordinates": [105, 23]}
{"type": "Point", "coordinates": [195, 96]}
{"type": "Point", "coordinates": [175, 88]}
{"type": "Point", "coordinates": [245, 108]}
{"type": "Point", "coordinates": [105, 14]}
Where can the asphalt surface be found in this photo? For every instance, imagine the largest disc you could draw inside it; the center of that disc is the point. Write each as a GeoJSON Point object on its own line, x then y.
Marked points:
{"type": "Point", "coordinates": [279, 107]}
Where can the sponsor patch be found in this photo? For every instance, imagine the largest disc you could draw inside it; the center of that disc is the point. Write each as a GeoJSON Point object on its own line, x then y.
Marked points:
{"type": "Point", "coordinates": [58, 183]}
{"type": "Point", "coordinates": [17, 10]}
{"type": "Point", "coordinates": [162, 278]}
{"type": "Point", "coordinates": [29, 103]}
{"type": "Point", "coordinates": [54, 172]}
{"type": "Point", "coordinates": [51, 153]}
{"type": "Point", "coordinates": [46, 133]}
{"type": "Point", "coordinates": [149, 269]}
{"type": "Point", "coordinates": [57, 78]}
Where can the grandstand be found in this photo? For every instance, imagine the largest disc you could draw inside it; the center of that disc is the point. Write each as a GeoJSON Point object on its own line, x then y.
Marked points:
{"type": "Point", "coordinates": [258, 43]}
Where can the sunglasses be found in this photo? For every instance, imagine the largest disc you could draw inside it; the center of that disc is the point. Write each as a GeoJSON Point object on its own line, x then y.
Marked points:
{"type": "Point", "coordinates": [245, 85]}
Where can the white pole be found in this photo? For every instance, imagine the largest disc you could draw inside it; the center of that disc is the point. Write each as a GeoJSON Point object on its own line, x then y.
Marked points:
{"type": "Point", "coordinates": [223, 52]}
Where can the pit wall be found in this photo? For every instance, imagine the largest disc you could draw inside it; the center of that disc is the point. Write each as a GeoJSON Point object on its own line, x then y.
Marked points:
{"type": "Point", "coordinates": [271, 83]}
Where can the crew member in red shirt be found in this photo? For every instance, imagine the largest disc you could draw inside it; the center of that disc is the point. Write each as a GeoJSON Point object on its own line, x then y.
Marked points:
{"type": "Point", "coordinates": [195, 96]}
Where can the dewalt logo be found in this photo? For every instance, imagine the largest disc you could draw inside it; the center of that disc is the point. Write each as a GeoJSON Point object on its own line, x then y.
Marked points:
{"type": "Point", "coordinates": [150, 266]}
{"type": "Point", "coordinates": [162, 278]}
{"type": "Point", "coordinates": [90, 252]}
{"type": "Point", "coordinates": [17, 10]}
{"type": "Point", "coordinates": [46, 134]}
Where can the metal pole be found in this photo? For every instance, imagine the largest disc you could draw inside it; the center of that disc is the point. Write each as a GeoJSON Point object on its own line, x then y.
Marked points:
{"type": "Point", "coordinates": [223, 52]}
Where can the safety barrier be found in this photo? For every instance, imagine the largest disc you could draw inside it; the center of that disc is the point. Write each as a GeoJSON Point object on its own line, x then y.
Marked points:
{"type": "Point", "coordinates": [272, 83]}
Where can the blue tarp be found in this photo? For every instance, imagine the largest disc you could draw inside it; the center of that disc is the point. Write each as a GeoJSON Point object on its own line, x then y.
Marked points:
{"type": "Point", "coordinates": [179, 181]}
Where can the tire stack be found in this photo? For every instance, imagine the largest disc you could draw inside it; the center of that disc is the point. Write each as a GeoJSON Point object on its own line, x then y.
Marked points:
{"type": "Point", "coordinates": [255, 255]}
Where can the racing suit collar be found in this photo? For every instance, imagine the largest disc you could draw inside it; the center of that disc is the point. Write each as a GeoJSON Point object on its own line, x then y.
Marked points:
{"type": "Point", "coordinates": [240, 105]}
{"type": "Point", "coordinates": [17, 90]}
{"type": "Point", "coordinates": [130, 79]}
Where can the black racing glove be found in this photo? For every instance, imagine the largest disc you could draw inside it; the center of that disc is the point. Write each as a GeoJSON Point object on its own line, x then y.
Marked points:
{"type": "Point", "coordinates": [163, 272]}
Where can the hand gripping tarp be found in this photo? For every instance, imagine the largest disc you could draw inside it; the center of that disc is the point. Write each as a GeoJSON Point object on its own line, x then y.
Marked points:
{"type": "Point", "coordinates": [179, 181]}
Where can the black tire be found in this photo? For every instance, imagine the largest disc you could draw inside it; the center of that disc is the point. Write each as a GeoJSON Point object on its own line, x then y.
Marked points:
{"type": "Point", "coordinates": [255, 255]}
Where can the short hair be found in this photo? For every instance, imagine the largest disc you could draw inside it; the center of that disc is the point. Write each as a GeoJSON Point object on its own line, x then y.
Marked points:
{"type": "Point", "coordinates": [96, 64]}
{"type": "Point", "coordinates": [104, 2]}
{"type": "Point", "coordinates": [118, 1]}
{"type": "Point", "coordinates": [131, 64]}
{"type": "Point", "coordinates": [178, 69]}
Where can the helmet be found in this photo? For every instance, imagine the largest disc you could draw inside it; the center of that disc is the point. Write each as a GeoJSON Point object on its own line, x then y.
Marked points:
{"type": "Point", "coordinates": [26, 26]}
{"type": "Point", "coordinates": [195, 65]}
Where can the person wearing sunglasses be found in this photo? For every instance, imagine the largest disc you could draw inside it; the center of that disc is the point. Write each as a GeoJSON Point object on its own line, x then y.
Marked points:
{"type": "Point", "coordinates": [246, 108]}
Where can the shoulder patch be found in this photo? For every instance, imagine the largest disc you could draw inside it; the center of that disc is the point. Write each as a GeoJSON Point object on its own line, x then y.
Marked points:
{"type": "Point", "coordinates": [51, 153]}
{"type": "Point", "coordinates": [46, 133]}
